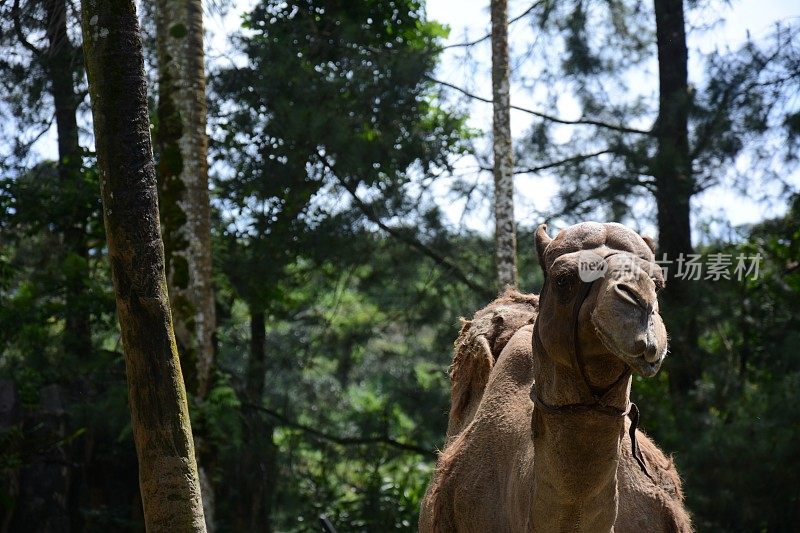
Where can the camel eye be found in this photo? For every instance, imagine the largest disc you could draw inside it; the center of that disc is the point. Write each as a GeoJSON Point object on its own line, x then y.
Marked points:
{"type": "Point", "coordinates": [562, 281]}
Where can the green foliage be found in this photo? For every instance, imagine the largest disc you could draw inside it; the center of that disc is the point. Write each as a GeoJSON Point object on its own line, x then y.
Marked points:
{"type": "Point", "coordinates": [358, 346]}
{"type": "Point", "coordinates": [37, 263]}
{"type": "Point", "coordinates": [334, 98]}
{"type": "Point", "coordinates": [735, 442]}
{"type": "Point", "coordinates": [35, 205]}
{"type": "Point", "coordinates": [331, 94]}
{"type": "Point", "coordinates": [219, 413]}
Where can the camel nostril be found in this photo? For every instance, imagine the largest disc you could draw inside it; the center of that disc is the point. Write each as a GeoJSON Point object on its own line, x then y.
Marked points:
{"type": "Point", "coordinates": [640, 346]}
{"type": "Point", "coordinates": [626, 292]}
{"type": "Point", "coordinates": [650, 353]}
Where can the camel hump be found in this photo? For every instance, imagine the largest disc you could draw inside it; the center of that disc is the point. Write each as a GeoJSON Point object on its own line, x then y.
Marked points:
{"type": "Point", "coordinates": [477, 348]}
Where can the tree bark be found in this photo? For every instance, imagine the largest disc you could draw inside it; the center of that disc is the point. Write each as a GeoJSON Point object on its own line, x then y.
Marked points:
{"type": "Point", "coordinates": [672, 169]}
{"type": "Point", "coordinates": [183, 181]}
{"type": "Point", "coordinates": [11, 417]}
{"type": "Point", "coordinates": [185, 209]}
{"type": "Point", "coordinates": [60, 58]}
{"type": "Point", "coordinates": [257, 365]}
{"type": "Point", "coordinates": [505, 229]}
{"type": "Point", "coordinates": [44, 481]}
{"type": "Point", "coordinates": [260, 456]}
{"type": "Point", "coordinates": [168, 477]}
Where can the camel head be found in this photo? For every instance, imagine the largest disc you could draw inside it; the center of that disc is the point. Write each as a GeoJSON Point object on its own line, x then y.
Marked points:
{"type": "Point", "coordinates": [599, 300]}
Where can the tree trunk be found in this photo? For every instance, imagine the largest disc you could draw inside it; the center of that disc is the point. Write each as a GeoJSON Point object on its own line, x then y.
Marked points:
{"type": "Point", "coordinates": [261, 453]}
{"type": "Point", "coordinates": [505, 230]}
{"type": "Point", "coordinates": [60, 59]}
{"type": "Point", "coordinates": [168, 477]}
{"type": "Point", "coordinates": [185, 209]}
{"type": "Point", "coordinates": [44, 480]}
{"type": "Point", "coordinates": [672, 170]}
{"type": "Point", "coordinates": [10, 421]}
{"type": "Point", "coordinates": [257, 365]}
{"type": "Point", "coordinates": [183, 181]}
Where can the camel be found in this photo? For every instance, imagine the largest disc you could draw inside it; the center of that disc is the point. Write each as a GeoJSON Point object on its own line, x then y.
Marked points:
{"type": "Point", "coordinates": [542, 435]}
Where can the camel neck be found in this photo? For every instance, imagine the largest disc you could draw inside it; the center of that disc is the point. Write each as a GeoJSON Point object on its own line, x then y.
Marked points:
{"type": "Point", "coordinates": [575, 455]}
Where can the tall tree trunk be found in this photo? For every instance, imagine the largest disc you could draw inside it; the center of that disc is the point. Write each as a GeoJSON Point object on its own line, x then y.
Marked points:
{"type": "Point", "coordinates": [505, 229]}
{"type": "Point", "coordinates": [257, 365]}
{"type": "Point", "coordinates": [672, 169]}
{"type": "Point", "coordinates": [183, 180]}
{"type": "Point", "coordinates": [44, 481]}
{"type": "Point", "coordinates": [185, 210]}
{"type": "Point", "coordinates": [168, 477]}
{"type": "Point", "coordinates": [60, 59]}
{"type": "Point", "coordinates": [261, 454]}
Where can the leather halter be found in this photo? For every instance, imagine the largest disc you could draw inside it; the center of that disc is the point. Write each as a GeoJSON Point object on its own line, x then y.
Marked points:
{"type": "Point", "coordinates": [592, 398]}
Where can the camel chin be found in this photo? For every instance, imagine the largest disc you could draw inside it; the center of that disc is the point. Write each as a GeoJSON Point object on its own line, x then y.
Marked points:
{"type": "Point", "coordinates": [643, 367]}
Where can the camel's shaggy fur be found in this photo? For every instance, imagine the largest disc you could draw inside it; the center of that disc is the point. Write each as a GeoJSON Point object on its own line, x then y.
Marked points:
{"type": "Point", "coordinates": [477, 348]}
{"type": "Point", "coordinates": [643, 504]}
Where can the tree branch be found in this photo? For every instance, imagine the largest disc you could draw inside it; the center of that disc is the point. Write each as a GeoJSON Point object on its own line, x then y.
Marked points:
{"type": "Point", "coordinates": [489, 35]}
{"type": "Point", "coordinates": [729, 94]}
{"type": "Point", "coordinates": [553, 164]}
{"type": "Point", "coordinates": [545, 116]}
{"type": "Point", "coordinates": [446, 263]}
{"type": "Point", "coordinates": [18, 30]}
{"type": "Point", "coordinates": [574, 200]}
{"type": "Point", "coordinates": [450, 267]}
{"type": "Point", "coordinates": [25, 146]}
{"type": "Point", "coordinates": [344, 441]}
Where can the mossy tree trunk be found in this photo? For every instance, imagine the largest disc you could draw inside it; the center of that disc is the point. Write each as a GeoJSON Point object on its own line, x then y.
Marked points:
{"type": "Point", "coordinates": [183, 180]}
{"type": "Point", "coordinates": [505, 227]}
{"type": "Point", "coordinates": [672, 169]}
{"type": "Point", "coordinates": [182, 145]}
{"type": "Point", "coordinates": [168, 477]}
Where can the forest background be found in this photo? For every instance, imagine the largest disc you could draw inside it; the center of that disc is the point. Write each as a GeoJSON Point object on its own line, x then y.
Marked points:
{"type": "Point", "coordinates": [340, 221]}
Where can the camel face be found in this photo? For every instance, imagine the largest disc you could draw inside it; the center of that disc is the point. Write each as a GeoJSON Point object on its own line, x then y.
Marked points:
{"type": "Point", "coordinates": [600, 298]}
{"type": "Point", "coordinates": [625, 315]}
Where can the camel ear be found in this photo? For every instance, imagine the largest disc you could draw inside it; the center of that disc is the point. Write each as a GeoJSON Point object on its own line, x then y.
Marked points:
{"type": "Point", "coordinates": [542, 240]}
{"type": "Point", "coordinates": [650, 242]}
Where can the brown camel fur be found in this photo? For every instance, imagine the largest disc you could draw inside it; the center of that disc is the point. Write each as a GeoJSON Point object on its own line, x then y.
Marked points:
{"type": "Point", "coordinates": [486, 478]}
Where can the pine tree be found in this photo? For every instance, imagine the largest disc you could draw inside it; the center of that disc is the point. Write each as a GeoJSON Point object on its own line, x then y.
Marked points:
{"type": "Point", "coordinates": [674, 187]}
